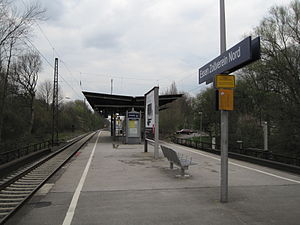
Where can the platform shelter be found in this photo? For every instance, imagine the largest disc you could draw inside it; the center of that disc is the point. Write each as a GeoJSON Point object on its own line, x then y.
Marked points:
{"type": "Point", "coordinates": [115, 106]}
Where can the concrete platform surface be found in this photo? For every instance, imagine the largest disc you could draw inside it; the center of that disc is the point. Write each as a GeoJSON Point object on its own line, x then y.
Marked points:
{"type": "Point", "coordinates": [124, 185]}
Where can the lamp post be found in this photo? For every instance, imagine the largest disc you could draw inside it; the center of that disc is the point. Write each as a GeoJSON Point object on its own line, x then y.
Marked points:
{"type": "Point", "coordinates": [265, 129]}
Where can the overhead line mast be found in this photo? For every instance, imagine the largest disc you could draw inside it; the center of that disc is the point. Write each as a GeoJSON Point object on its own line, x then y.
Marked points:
{"type": "Point", "coordinates": [55, 105]}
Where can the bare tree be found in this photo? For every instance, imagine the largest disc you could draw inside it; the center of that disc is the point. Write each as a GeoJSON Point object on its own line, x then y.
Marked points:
{"type": "Point", "coordinates": [45, 91]}
{"type": "Point", "coordinates": [15, 23]}
{"type": "Point", "coordinates": [172, 90]}
{"type": "Point", "coordinates": [4, 78]}
{"type": "Point", "coordinates": [279, 67]}
{"type": "Point", "coordinates": [26, 74]}
{"type": "Point", "coordinates": [14, 27]}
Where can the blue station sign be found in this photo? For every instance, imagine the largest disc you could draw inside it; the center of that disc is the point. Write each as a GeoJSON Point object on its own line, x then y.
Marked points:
{"type": "Point", "coordinates": [135, 115]}
{"type": "Point", "coordinates": [233, 59]}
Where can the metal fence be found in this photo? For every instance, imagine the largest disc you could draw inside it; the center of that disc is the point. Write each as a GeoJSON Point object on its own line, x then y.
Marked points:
{"type": "Point", "coordinates": [252, 152]}
{"type": "Point", "coordinates": [8, 156]}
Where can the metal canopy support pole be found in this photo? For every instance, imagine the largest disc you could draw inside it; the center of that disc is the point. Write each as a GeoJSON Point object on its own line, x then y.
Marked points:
{"type": "Point", "coordinates": [224, 117]}
{"type": "Point", "coordinates": [145, 145]}
{"type": "Point", "coordinates": [111, 125]}
{"type": "Point", "coordinates": [140, 128]}
{"type": "Point", "coordinates": [114, 125]}
{"type": "Point", "coordinates": [126, 119]}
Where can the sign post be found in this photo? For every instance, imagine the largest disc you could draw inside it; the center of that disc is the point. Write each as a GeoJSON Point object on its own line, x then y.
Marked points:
{"type": "Point", "coordinates": [224, 115]}
{"type": "Point", "coordinates": [238, 56]}
{"type": "Point", "coordinates": [152, 120]}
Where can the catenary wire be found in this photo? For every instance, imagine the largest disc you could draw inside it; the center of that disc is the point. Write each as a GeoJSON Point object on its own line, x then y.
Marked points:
{"type": "Point", "coordinates": [65, 81]}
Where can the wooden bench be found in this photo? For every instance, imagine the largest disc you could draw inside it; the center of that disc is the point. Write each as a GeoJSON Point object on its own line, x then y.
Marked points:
{"type": "Point", "coordinates": [174, 158]}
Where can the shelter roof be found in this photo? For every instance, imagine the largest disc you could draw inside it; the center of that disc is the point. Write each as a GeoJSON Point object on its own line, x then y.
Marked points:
{"type": "Point", "coordinates": [107, 104]}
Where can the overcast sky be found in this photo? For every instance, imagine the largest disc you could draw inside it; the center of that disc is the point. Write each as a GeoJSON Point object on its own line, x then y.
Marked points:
{"type": "Point", "coordinates": [138, 43]}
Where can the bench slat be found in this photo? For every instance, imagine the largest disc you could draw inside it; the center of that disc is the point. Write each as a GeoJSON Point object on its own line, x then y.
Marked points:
{"type": "Point", "coordinates": [173, 157]}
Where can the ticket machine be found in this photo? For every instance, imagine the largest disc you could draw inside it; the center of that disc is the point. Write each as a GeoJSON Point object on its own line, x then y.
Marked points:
{"type": "Point", "coordinates": [133, 127]}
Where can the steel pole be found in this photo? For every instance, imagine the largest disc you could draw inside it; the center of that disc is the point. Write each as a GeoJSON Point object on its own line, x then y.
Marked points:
{"type": "Point", "coordinates": [156, 132]}
{"type": "Point", "coordinates": [224, 117]}
{"type": "Point", "coordinates": [222, 27]}
{"type": "Point", "coordinates": [201, 127]}
{"type": "Point", "coordinates": [111, 86]}
{"type": "Point", "coordinates": [265, 128]}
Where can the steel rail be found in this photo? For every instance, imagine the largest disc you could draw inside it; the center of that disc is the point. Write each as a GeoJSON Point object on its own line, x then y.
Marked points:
{"type": "Point", "coordinates": [19, 188]}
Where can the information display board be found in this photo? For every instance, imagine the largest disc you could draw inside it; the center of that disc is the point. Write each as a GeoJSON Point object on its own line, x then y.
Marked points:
{"type": "Point", "coordinates": [150, 112]}
{"type": "Point", "coordinates": [133, 124]}
{"type": "Point", "coordinates": [225, 99]}
{"type": "Point", "coordinates": [133, 127]}
{"type": "Point", "coordinates": [151, 119]}
{"type": "Point", "coordinates": [224, 81]}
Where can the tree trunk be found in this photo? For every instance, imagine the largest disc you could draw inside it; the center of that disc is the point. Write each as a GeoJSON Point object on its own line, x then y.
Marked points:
{"type": "Point", "coordinates": [31, 114]}
{"type": "Point", "coordinates": [3, 96]}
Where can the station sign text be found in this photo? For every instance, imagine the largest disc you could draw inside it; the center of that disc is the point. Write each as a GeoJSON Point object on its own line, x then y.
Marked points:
{"type": "Point", "coordinates": [226, 62]}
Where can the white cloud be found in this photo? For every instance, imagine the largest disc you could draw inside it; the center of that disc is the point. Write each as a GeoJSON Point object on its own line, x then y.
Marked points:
{"type": "Point", "coordinates": [153, 41]}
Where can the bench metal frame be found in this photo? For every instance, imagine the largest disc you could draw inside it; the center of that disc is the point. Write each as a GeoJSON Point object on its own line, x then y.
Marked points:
{"type": "Point", "coordinates": [174, 158]}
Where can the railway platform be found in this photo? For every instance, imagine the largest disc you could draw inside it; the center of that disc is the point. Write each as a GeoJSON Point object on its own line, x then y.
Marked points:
{"type": "Point", "coordinates": [115, 184]}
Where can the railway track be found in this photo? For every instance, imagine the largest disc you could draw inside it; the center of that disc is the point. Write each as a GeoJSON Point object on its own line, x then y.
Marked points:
{"type": "Point", "coordinates": [16, 189]}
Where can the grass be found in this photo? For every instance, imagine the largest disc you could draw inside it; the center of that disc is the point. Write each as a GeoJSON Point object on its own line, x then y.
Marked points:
{"type": "Point", "coordinates": [69, 135]}
{"type": "Point", "coordinates": [31, 140]}
{"type": "Point", "coordinates": [206, 139]}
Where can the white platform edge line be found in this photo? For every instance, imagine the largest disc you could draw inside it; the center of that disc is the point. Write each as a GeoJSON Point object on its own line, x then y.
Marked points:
{"type": "Point", "coordinates": [235, 164]}
{"type": "Point", "coordinates": [69, 215]}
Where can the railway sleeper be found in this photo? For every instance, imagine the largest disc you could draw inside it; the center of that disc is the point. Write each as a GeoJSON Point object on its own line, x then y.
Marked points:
{"type": "Point", "coordinates": [3, 214]}
{"type": "Point", "coordinates": [8, 192]}
{"type": "Point", "coordinates": [6, 209]}
{"type": "Point", "coordinates": [8, 204]}
{"type": "Point", "coordinates": [31, 178]}
{"type": "Point", "coordinates": [26, 183]}
{"type": "Point", "coordinates": [22, 185]}
{"type": "Point", "coordinates": [20, 188]}
{"type": "Point", "coordinates": [36, 175]}
{"type": "Point", "coordinates": [11, 199]}
{"type": "Point", "coordinates": [29, 181]}
{"type": "Point", "coordinates": [14, 196]}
